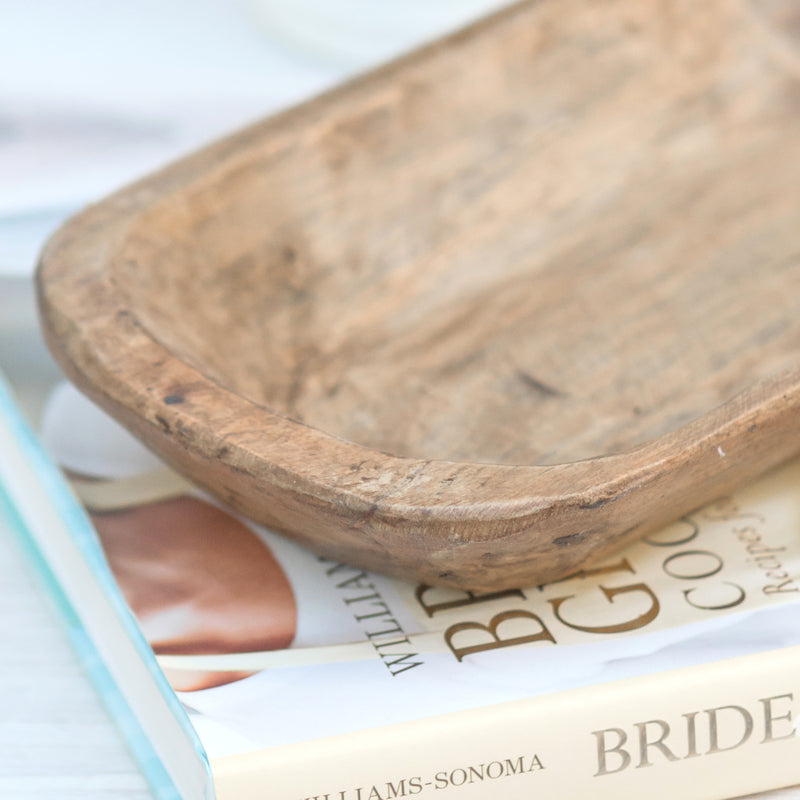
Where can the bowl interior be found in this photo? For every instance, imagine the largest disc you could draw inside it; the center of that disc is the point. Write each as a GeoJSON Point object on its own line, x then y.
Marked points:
{"type": "Point", "coordinates": [591, 242]}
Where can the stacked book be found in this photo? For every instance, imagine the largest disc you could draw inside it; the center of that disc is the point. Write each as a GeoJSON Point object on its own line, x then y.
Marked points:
{"type": "Point", "coordinates": [240, 665]}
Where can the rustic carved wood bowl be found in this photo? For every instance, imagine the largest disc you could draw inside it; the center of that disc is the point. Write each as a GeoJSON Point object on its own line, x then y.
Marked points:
{"type": "Point", "coordinates": [482, 316]}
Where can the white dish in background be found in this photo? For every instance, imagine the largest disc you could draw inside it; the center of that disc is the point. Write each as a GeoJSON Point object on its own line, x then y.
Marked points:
{"type": "Point", "coordinates": [116, 90]}
{"type": "Point", "coordinates": [360, 33]}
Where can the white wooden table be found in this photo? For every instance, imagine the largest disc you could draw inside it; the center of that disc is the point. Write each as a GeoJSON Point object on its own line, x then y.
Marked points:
{"type": "Point", "coordinates": [56, 739]}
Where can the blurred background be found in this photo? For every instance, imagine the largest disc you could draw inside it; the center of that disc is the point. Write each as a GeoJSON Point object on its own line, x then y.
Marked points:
{"type": "Point", "coordinates": [96, 93]}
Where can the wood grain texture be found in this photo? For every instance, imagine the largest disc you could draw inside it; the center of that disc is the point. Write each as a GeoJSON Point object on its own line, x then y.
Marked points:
{"type": "Point", "coordinates": [481, 316]}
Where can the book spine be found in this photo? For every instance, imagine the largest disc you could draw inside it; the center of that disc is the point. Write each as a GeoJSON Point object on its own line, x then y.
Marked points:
{"type": "Point", "coordinates": [710, 731]}
{"type": "Point", "coordinates": [38, 508]}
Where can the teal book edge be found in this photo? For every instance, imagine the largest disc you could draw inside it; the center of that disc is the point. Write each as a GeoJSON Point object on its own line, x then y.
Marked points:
{"type": "Point", "coordinates": [154, 771]}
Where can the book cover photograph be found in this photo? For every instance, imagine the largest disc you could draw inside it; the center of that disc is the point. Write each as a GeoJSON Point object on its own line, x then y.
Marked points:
{"type": "Point", "coordinates": [674, 660]}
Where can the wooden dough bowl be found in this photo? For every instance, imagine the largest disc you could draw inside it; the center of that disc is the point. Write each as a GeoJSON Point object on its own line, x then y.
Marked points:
{"type": "Point", "coordinates": [480, 317]}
